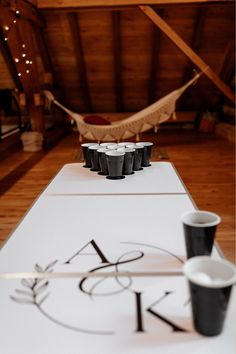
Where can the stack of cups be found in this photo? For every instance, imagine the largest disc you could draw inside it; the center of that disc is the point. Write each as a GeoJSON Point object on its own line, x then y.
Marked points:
{"type": "Point", "coordinates": [128, 160]}
{"type": "Point", "coordinates": [210, 280]}
{"type": "Point", "coordinates": [85, 149]}
{"type": "Point", "coordinates": [142, 154]}
{"type": "Point", "coordinates": [147, 150]}
{"type": "Point", "coordinates": [93, 153]}
{"type": "Point", "coordinates": [134, 157]}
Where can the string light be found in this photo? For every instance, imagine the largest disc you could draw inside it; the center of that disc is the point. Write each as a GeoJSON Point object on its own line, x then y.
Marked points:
{"type": "Point", "coordinates": [7, 29]}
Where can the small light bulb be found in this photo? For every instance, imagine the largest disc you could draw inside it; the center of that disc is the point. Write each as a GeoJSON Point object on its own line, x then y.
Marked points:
{"type": "Point", "coordinates": [23, 45]}
{"type": "Point", "coordinates": [27, 71]}
{"type": "Point", "coordinates": [23, 55]}
{"type": "Point", "coordinates": [17, 12]}
{"type": "Point", "coordinates": [14, 21]}
{"type": "Point", "coordinates": [17, 60]}
{"type": "Point", "coordinates": [6, 28]}
{"type": "Point", "coordinates": [19, 74]}
{"type": "Point", "coordinates": [27, 62]}
{"type": "Point", "coordinates": [5, 39]}
{"type": "Point", "coordinates": [31, 62]}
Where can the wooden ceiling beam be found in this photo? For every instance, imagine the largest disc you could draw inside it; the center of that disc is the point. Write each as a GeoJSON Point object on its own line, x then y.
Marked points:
{"type": "Point", "coordinates": [152, 89]}
{"type": "Point", "coordinates": [10, 62]}
{"type": "Point", "coordinates": [14, 43]}
{"type": "Point", "coordinates": [228, 66]}
{"type": "Point", "coordinates": [80, 61]}
{"type": "Point", "coordinates": [117, 50]}
{"type": "Point", "coordinates": [44, 52]}
{"type": "Point", "coordinates": [187, 50]}
{"type": "Point", "coordinates": [56, 4]}
{"type": "Point", "coordinates": [196, 39]}
{"type": "Point", "coordinates": [26, 11]}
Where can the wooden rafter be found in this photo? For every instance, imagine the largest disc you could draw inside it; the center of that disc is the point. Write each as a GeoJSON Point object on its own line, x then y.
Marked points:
{"type": "Point", "coordinates": [14, 43]}
{"type": "Point", "coordinates": [152, 89]}
{"type": "Point", "coordinates": [181, 44]}
{"type": "Point", "coordinates": [117, 49]}
{"type": "Point", "coordinates": [195, 45]}
{"type": "Point", "coordinates": [20, 43]}
{"type": "Point", "coordinates": [52, 4]}
{"type": "Point", "coordinates": [80, 62]}
{"type": "Point", "coordinates": [196, 39]}
{"type": "Point", "coordinates": [43, 49]}
{"type": "Point", "coordinates": [227, 70]}
{"type": "Point", "coordinates": [27, 11]}
{"type": "Point", "coordinates": [10, 62]}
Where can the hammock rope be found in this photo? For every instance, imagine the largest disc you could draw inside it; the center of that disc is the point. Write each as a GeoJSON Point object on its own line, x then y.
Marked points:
{"type": "Point", "coordinates": [148, 118]}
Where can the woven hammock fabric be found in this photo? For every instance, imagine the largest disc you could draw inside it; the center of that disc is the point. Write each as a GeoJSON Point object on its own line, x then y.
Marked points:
{"type": "Point", "coordinates": [149, 117]}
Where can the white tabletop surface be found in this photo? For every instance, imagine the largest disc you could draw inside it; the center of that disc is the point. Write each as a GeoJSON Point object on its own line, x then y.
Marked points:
{"type": "Point", "coordinates": [161, 177]}
{"type": "Point", "coordinates": [131, 233]}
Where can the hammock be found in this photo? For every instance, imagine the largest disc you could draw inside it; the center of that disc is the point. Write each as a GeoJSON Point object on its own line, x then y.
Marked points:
{"type": "Point", "coordinates": [149, 117]}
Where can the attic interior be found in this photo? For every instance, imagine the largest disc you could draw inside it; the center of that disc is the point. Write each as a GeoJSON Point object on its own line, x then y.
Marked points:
{"type": "Point", "coordinates": [113, 59]}
{"type": "Point", "coordinates": [107, 60]}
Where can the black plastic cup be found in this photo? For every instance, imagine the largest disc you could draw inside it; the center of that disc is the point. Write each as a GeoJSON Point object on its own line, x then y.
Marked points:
{"type": "Point", "coordinates": [199, 232]}
{"type": "Point", "coordinates": [128, 160]}
{"type": "Point", "coordinates": [210, 284]}
{"type": "Point", "coordinates": [115, 161]}
{"type": "Point", "coordinates": [93, 152]}
{"type": "Point", "coordinates": [86, 154]}
{"type": "Point", "coordinates": [138, 155]}
{"type": "Point", "coordinates": [102, 161]}
{"type": "Point", "coordinates": [147, 151]}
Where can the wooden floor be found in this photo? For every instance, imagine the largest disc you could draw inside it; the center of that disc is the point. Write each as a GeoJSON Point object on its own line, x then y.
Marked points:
{"type": "Point", "coordinates": [206, 164]}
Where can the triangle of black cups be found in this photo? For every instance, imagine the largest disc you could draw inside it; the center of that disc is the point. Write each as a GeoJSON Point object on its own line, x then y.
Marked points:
{"type": "Point", "coordinates": [115, 161]}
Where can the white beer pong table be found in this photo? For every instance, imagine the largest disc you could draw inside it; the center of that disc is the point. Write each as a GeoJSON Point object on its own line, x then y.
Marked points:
{"type": "Point", "coordinates": [85, 223]}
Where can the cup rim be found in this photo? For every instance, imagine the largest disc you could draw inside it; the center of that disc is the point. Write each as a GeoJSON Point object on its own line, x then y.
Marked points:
{"type": "Point", "coordinates": [115, 153]}
{"type": "Point", "coordinates": [124, 143]}
{"type": "Point", "coordinates": [138, 146]}
{"type": "Point", "coordinates": [201, 212]}
{"type": "Point", "coordinates": [107, 144]}
{"type": "Point", "coordinates": [206, 259]}
{"type": "Point", "coordinates": [145, 143]}
{"type": "Point", "coordinates": [102, 150]}
{"type": "Point", "coordinates": [88, 144]}
{"type": "Point", "coordinates": [94, 147]}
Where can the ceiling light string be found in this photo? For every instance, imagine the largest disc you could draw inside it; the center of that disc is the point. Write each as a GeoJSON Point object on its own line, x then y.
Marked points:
{"type": "Point", "coordinates": [7, 28]}
{"type": "Point", "coordinates": [23, 56]}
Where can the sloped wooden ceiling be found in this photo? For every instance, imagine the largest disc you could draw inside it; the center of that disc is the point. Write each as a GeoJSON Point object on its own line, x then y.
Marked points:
{"type": "Point", "coordinates": [114, 59]}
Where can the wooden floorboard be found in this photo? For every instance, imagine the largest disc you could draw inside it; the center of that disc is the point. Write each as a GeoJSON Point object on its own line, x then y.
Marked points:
{"type": "Point", "coordinates": [206, 164]}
